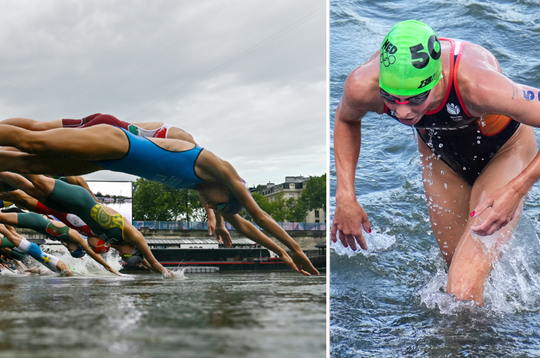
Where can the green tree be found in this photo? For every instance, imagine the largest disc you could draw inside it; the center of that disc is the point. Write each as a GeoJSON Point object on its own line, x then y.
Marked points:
{"type": "Point", "coordinates": [297, 210]}
{"type": "Point", "coordinates": [314, 194]}
{"type": "Point", "coordinates": [156, 201]}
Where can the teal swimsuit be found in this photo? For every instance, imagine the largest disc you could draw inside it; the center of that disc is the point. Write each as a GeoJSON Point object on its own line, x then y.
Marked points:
{"type": "Point", "coordinates": [74, 199]}
{"type": "Point", "coordinates": [149, 161]}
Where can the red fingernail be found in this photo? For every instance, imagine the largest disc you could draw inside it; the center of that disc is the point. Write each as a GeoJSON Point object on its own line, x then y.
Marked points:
{"type": "Point", "coordinates": [369, 231]}
{"type": "Point", "coordinates": [472, 214]}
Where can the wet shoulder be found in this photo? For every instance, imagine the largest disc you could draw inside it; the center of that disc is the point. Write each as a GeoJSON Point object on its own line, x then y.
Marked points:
{"type": "Point", "coordinates": [361, 89]}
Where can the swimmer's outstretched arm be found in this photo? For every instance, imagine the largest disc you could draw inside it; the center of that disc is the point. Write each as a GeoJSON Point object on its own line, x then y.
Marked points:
{"type": "Point", "coordinates": [75, 237]}
{"type": "Point", "coordinates": [216, 226]}
{"type": "Point", "coordinates": [211, 168]}
{"type": "Point", "coordinates": [222, 234]}
{"type": "Point", "coordinates": [133, 237]}
{"type": "Point", "coordinates": [247, 229]}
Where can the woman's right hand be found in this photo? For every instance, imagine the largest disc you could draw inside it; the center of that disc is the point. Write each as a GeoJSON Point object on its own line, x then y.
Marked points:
{"type": "Point", "coordinates": [349, 219]}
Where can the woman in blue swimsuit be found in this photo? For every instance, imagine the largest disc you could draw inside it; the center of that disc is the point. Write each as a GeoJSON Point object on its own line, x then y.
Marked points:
{"type": "Point", "coordinates": [475, 138]}
{"type": "Point", "coordinates": [174, 162]}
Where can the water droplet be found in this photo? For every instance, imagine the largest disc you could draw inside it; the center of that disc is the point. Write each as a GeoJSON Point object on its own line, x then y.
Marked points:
{"type": "Point", "coordinates": [440, 145]}
{"type": "Point", "coordinates": [445, 186]}
{"type": "Point", "coordinates": [464, 168]}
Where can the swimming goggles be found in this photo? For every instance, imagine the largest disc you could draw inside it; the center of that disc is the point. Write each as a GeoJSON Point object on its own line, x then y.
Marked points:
{"type": "Point", "coordinates": [411, 101]}
{"type": "Point", "coordinates": [221, 206]}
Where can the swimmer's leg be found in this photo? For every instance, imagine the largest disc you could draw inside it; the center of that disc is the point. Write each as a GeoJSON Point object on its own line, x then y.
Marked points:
{"type": "Point", "coordinates": [93, 143]}
{"type": "Point", "coordinates": [77, 123]}
{"type": "Point", "coordinates": [32, 124]}
{"type": "Point", "coordinates": [475, 255]}
{"type": "Point", "coordinates": [113, 121]}
{"type": "Point", "coordinates": [40, 224]}
{"type": "Point", "coordinates": [447, 197]}
{"type": "Point", "coordinates": [52, 262]}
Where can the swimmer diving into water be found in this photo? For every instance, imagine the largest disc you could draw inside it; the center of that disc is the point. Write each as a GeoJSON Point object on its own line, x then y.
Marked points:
{"type": "Point", "coordinates": [177, 163]}
{"type": "Point", "coordinates": [27, 247]}
{"type": "Point", "coordinates": [215, 223]}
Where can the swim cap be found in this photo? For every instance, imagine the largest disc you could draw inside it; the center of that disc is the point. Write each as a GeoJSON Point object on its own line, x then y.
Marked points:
{"type": "Point", "coordinates": [135, 259]}
{"type": "Point", "coordinates": [101, 247]}
{"type": "Point", "coordinates": [80, 252]}
{"type": "Point", "coordinates": [233, 205]}
{"type": "Point", "coordinates": [410, 59]}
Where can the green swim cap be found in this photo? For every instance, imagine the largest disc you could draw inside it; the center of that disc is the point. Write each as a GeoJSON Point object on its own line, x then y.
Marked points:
{"type": "Point", "coordinates": [410, 59]}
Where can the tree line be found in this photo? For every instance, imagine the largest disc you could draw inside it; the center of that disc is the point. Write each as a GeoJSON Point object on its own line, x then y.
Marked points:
{"type": "Point", "coordinates": [154, 201]}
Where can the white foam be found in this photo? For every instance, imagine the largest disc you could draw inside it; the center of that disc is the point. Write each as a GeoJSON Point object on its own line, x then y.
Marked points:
{"type": "Point", "coordinates": [514, 283]}
{"type": "Point", "coordinates": [375, 241]}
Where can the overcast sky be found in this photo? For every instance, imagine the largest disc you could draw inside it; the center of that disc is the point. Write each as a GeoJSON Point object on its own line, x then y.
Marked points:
{"type": "Point", "coordinates": [246, 78]}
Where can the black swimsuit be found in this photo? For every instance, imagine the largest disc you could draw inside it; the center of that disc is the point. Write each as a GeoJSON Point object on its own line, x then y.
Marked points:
{"type": "Point", "coordinates": [465, 143]}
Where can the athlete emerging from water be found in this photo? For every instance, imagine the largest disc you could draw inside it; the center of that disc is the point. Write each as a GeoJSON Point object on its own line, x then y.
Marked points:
{"type": "Point", "coordinates": [476, 145]}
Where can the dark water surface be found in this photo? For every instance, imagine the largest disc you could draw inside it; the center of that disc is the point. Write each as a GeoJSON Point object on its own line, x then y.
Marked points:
{"type": "Point", "coordinates": [278, 314]}
{"type": "Point", "coordinates": [390, 301]}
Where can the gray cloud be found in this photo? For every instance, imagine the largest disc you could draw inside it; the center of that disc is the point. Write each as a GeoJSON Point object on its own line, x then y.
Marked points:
{"type": "Point", "coordinates": [246, 78]}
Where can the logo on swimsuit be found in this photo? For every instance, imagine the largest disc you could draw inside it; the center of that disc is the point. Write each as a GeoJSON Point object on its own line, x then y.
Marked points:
{"type": "Point", "coordinates": [51, 230]}
{"type": "Point", "coordinates": [453, 110]}
{"type": "Point", "coordinates": [133, 129]}
{"type": "Point", "coordinates": [160, 133]}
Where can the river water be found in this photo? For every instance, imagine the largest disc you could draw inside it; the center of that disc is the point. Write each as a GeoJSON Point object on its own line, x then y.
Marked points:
{"type": "Point", "coordinates": [390, 300]}
{"type": "Point", "coordinates": [95, 314]}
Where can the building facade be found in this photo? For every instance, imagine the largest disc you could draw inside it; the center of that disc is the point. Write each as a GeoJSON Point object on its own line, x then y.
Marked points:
{"type": "Point", "coordinates": [292, 188]}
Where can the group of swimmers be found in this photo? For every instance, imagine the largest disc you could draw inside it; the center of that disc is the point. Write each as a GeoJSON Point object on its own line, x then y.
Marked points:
{"type": "Point", "coordinates": [34, 152]}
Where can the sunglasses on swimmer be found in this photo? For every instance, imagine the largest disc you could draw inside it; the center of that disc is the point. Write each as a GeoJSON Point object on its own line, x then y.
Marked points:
{"type": "Point", "coordinates": [412, 101]}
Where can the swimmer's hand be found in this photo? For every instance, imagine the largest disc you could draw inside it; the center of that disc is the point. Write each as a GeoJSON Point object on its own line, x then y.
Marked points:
{"type": "Point", "coordinates": [111, 270]}
{"type": "Point", "coordinates": [223, 236]}
{"type": "Point", "coordinates": [349, 219]}
{"type": "Point", "coordinates": [211, 223]}
{"type": "Point", "coordinates": [166, 273]}
{"type": "Point", "coordinates": [303, 264]}
{"type": "Point", "coordinates": [289, 262]}
{"type": "Point", "coordinates": [216, 226]}
{"type": "Point", "coordinates": [497, 210]}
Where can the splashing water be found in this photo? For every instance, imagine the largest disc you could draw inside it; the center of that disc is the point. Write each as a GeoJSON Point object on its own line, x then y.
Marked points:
{"type": "Point", "coordinates": [375, 241]}
{"type": "Point", "coordinates": [513, 286]}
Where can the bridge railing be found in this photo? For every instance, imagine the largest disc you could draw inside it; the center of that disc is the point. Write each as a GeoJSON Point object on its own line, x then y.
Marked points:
{"type": "Point", "coordinates": [194, 225]}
